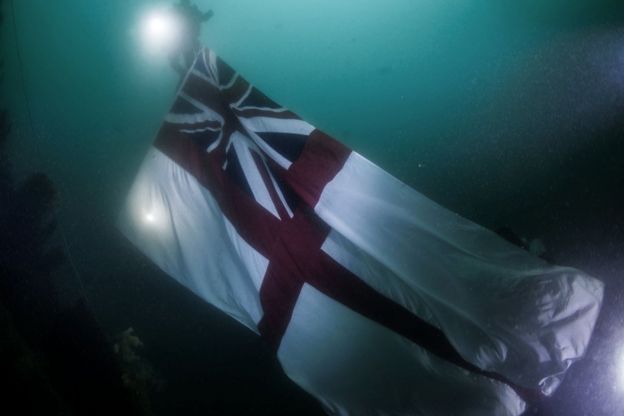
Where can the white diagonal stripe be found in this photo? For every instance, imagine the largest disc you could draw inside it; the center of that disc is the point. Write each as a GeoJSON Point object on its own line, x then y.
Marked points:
{"type": "Point", "coordinates": [269, 151]}
{"type": "Point", "coordinates": [250, 170]}
{"type": "Point", "coordinates": [268, 109]}
{"type": "Point", "coordinates": [231, 83]}
{"type": "Point", "coordinates": [201, 75]}
{"type": "Point", "coordinates": [200, 130]}
{"type": "Point", "coordinates": [236, 104]}
{"type": "Point", "coordinates": [213, 115]}
{"type": "Point", "coordinates": [277, 125]}
{"type": "Point", "coordinates": [278, 190]}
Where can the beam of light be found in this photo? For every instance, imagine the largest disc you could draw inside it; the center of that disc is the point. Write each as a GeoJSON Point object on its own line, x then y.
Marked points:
{"type": "Point", "coordinates": [160, 31]}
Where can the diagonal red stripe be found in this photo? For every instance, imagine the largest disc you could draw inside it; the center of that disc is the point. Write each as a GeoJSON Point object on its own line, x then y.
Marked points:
{"type": "Point", "coordinates": [293, 245]}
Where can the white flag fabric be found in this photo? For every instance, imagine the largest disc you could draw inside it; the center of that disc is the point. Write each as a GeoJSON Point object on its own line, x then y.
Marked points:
{"type": "Point", "coordinates": [376, 300]}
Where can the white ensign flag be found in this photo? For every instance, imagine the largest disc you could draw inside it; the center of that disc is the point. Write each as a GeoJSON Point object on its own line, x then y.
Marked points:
{"type": "Point", "coordinates": [376, 300]}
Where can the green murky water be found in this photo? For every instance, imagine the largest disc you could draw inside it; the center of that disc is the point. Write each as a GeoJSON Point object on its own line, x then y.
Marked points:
{"type": "Point", "coordinates": [509, 113]}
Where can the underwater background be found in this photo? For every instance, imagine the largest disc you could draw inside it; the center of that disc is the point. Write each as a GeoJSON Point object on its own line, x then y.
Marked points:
{"type": "Point", "coordinates": [507, 112]}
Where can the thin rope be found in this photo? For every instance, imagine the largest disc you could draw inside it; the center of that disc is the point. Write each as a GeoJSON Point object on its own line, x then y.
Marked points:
{"type": "Point", "coordinates": [34, 133]}
{"type": "Point", "coordinates": [72, 263]}
{"type": "Point", "coordinates": [21, 70]}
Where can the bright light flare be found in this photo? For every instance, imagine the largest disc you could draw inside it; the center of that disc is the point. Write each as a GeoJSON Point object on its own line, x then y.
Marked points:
{"type": "Point", "coordinates": [160, 31]}
{"type": "Point", "coordinates": [149, 218]}
{"type": "Point", "coordinates": [152, 219]}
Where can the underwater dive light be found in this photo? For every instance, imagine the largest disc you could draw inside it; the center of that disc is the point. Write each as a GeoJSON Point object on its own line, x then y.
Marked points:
{"type": "Point", "coordinates": [149, 218]}
{"type": "Point", "coordinates": [160, 30]}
